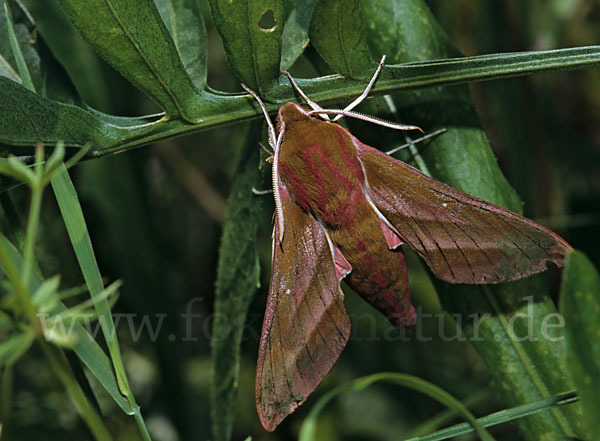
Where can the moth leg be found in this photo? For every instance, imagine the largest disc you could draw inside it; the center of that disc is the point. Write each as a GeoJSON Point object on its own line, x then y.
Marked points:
{"type": "Point", "coordinates": [271, 128]}
{"type": "Point", "coordinates": [365, 92]}
{"type": "Point", "coordinates": [264, 148]}
{"type": "Point", "coordinates": [275, 142]}
{"type": "Point", "coordinates": [421, 139]}
{"type": "Point", "coordinates": [261, 192]}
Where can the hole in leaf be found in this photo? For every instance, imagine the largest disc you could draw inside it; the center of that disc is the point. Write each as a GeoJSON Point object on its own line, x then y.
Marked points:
{"type": "Point", "coordinates": [268, 21]}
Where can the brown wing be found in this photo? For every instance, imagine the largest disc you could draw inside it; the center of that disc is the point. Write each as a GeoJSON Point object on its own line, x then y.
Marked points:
{"type": "Point", "coordinates": [463, 239]}
{"type": "Point", "coordinates": [306, 325]}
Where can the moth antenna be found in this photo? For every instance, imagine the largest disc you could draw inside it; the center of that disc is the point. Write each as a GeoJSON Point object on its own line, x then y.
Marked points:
{"type": "Point", "coordinates": [275, 142]}
{"type": "Point", "coordinates": [421, 139]}
{"type": "Point", "coordinates": [368, 118]}
{"type": "Point", "coordinates": [306, 99]}
{"type": "Point", "coordinates": [261, 192]}
{"type": "Point", "coordinates": [365, 92]}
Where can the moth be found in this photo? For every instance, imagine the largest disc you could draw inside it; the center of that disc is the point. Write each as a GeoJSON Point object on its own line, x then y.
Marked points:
{"type": "Point", "coordinates": [344, 210]}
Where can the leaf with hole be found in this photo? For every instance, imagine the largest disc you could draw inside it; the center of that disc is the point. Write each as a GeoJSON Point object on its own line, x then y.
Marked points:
{"type": "Point", "coordinates": [251, 33]}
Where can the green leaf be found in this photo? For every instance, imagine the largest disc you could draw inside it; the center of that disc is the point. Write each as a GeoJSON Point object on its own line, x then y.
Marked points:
{"type": "Point", "coordinates": [28, 118]}
{"type": "Point", "coordinates": [186, 26]}
{"type": "Point", "coordinates": [237, 281]}
{"type": "Point", "coordinates": [295, 32]}
{"type": "Point", "coordinates": [17, 54]}
{"type": "Point", "coordinates": [7, 71]}
{"type": "Point", "coordinates": [251, 33]}
{"type": "Point", "coordinates": [13, 347]}
{"type": "Point", "coordinates": [48, 78]}
{"type": "Point", "coordinates": [133, 38]}
{"type": "Point", "coordinates": [68, 202]}
{"type": "Point", "coordinates": [15, 169]}
{"type": "Point", "coordinates": [337, 32]}
{"type": "Point", "coordinates": [580, 306]}
{"type": "Point", "coordinates": [388, 32]}
{"type": "Point", "coordinates": [504, 322]}
{"type": "Point", "coordinates": [68, 65]}
{"type": "Point", "coordinates": [45, 296]}
{"type": "Point", "coordinates": [88, 351]}
{"type": "Point", "coordinates": [55, 159]}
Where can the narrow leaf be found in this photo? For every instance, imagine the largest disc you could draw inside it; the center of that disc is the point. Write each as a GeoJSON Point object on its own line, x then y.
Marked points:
{"type": "Point", "coordinates": [45, 296]}
{"type": "Point", "coordinates": [7, 71]}
{"type": "Point", "coordinates": [68, 203]}
{"type": "Point", "coordinates": [48, 78]}
{"type": "Point", "coordinates": [251, 33]}
{"type": "Point", "coordinates": [13, 347]}
{"type": "Point", "coordinates": [186, 26]}
{"type": "Point", "coordinates": [337, 31]}
{"type": "Point", "coordinates": [237, 281]}
{"type": "Point", "coordinates": [55, 159]}
{"type": "Point", "coordinates": [500, 417]}
{"type": "Point", "coordinates": [14, 168]}
{"type": "Point", "coordinates": [580, 306]}
{"type": "Point", "coordinates": [67, 64]}
{"type": "Point", "coordinates": [295, 33]}
{"type": "Point", "coordinates": [18, 55]}
{"type": "Point", "coordinates": [132, 37]}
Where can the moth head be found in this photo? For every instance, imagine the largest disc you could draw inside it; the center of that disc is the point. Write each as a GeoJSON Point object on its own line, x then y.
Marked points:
{"type": "Point", "coordinates": [290, 113]}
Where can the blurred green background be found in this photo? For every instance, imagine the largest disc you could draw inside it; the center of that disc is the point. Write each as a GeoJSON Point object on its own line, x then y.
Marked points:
{"type": "Point", "coordinates": [155, 225]}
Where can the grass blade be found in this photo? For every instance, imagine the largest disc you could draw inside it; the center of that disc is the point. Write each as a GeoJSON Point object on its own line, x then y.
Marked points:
{"type": "Point", "coordinates": [502, 416]}
{"type": "Point", "coordinates": [308, 429]}
{"type": "Point", "coordinates": [17, 53]}
{"type": "Point", "coordinates": [70, 208]}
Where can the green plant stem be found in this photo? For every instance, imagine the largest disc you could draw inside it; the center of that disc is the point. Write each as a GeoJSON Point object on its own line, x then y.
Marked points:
{"type": "Point", "coordinates": [31, 234]}
{"type": "Point", "coordinates": [501, 417]}
{"type": "Point", "coordinates": [137, 415]}
{"type": "Point", "coordinates": [65, 375]}
{"type": "Point", "coordinates": [15, 278]}
{"type": "Point", "coordinates": [34, 216]}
